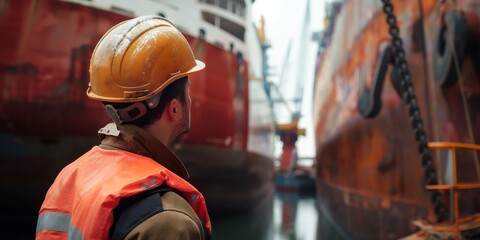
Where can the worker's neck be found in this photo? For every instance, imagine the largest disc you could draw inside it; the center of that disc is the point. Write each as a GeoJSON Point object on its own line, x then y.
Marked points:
{"type": "Point", "coordinates": [161, 130]}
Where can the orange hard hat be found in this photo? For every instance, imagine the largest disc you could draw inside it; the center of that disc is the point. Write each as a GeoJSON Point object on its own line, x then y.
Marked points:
{"type": "Point", "coordinates": [137, 59]}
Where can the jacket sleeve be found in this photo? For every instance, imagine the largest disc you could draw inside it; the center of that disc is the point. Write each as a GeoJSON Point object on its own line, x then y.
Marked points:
{"type": "Point", "coordinates": [166, 225]}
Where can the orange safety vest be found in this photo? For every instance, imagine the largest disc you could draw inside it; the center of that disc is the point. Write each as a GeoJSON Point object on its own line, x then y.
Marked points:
{"type": "Point", "coordinates": [80, 202]}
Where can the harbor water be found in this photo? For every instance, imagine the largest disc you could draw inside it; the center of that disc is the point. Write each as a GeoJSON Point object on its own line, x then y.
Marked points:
{"type": "Point", "coordinates": [282, 216]}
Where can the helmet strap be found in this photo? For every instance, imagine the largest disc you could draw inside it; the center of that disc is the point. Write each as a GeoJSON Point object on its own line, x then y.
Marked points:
{"type": "Point", "coordinates": [153, 101]}
{"type": "Point", "coordinates": [127, 114]}
{"type": "Point", "coordinates": [132, 112]}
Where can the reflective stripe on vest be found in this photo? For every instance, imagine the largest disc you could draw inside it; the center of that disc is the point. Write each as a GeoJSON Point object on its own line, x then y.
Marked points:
{"type": "Point", "coordinates": [60, 222]}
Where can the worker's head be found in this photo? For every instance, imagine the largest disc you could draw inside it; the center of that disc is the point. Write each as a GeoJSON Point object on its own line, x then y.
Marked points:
{"type": "Point", "coordinates": [140, 69]}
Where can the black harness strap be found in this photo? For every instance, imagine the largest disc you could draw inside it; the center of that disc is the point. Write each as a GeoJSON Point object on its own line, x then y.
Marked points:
{"type": "Point", "coordinates": [135, 209]}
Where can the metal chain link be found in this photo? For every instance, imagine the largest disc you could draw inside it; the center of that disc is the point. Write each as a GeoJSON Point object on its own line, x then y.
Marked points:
{"type": "Point", "coordinates": [409, 97]}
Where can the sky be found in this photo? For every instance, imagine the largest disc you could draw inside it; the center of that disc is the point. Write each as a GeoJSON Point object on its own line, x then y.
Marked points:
{"type": "Point", "coordinates": [284, 21]}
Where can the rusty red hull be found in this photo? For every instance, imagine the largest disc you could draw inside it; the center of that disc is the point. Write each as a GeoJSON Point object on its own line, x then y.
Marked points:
{"type": "Point", "coordinates": [44, 69]}
{"type": "Point", "coordinates": [46, 120]}
{"type": "Point", "coordinates": [370, 177]}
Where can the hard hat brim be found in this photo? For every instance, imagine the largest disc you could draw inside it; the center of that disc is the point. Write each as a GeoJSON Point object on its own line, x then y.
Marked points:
{"type": "Point", "coordinates": [198, 67]}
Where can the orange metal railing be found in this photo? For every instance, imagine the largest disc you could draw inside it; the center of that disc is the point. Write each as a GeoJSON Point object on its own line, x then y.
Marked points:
{"type": "Point", "coordinates": [455, 187]}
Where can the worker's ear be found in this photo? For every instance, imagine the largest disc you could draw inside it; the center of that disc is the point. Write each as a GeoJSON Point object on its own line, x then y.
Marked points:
{"type": "Point", "coordinates": [173, 109]}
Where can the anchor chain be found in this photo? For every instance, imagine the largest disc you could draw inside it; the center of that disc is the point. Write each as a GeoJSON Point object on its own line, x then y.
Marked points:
{"type": "Point", "coordinates": [408, 95]}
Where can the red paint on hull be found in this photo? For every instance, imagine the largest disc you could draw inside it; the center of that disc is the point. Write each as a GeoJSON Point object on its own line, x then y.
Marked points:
{"type": "Point", "coordinates": [44, 71]}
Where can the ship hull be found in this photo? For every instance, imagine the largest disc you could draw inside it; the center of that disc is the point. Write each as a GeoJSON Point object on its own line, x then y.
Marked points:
{"type": "Point", "coordinates": [46, 120]}
{"type": "Point", "coordinates": [369, 173]}
{"type": "Point", "coordinates": [217, 173]}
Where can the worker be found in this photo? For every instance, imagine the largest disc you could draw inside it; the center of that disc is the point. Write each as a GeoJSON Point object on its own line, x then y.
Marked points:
{"type": "Point", "coordinates": [131, 186]}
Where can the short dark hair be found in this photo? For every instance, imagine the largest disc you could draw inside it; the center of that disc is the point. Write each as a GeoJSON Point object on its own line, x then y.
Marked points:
{"type": "Point", "coordinates": [176, 89]}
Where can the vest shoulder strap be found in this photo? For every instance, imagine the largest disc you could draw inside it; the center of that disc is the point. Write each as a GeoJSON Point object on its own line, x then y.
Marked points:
{"type": "Point", "coordinates": [133, 210]}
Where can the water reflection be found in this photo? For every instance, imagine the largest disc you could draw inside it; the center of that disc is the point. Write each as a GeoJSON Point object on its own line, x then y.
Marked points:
{"type": "Point", "coordinates": [254, 225]}
{"type": "Point", "coordinates": [326, 229]}
{"type": "Point", "coordinates": [297, 216]}
{"type": "Point", "coordinates": [282, 216]}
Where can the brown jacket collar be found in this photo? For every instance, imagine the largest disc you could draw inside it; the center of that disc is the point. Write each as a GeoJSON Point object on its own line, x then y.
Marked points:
{"type": "Point", "coordinates": [134, 139]}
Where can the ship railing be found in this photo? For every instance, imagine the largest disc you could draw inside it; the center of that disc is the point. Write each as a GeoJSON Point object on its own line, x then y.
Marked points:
{"type": "Point", "coordinates": [459, 224]}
